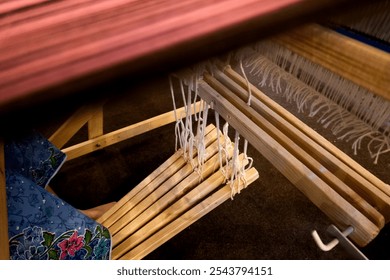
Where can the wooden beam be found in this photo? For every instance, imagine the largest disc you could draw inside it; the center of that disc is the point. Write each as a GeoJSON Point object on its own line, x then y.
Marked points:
{"type": "Point", "coordinates": [4, 243]}
{"type": "Point", "coordinates": [340, 211]}
{"type": "Point", "coordinates": [165, 217]}
{"type": "Point", "coordinates": [159, 175]}
{"type": "Point", "coordinates": [122, 134]}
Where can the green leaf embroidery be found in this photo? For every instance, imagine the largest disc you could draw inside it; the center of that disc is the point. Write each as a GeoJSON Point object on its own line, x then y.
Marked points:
{"type": "Point", "coordinates": [98, 231]}
{"type": "Point", "coordinates": [89, 251]}
{"type": "Point", "coordinates": [47, 239]}
{"type": "Point", "coordinates": [53, 255]}
{"type": "Point", "coordinates": [87, 236]}
{"type": "Point", "coordinates": [106, 233]}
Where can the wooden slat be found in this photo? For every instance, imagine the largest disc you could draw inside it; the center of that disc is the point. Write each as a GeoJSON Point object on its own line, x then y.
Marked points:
{"type": "Point", "coordinates": [364, 177]}
{"type": "Point", "coordinates": [282, 132]}
{"type": "Point", "coordinates": [143, 199]}
{"type": "Point", "coordinates": [366, 197]}
{"type": "Point", "coordinates": [136, 228]}
{"type": "Point", "coordinates": [162, 219]}
{"type": "Point", "coordinates": [340, 211]}
{"type": "Point", "coordinates": [122, 134]}
{"type": "Point", "coordinates": [159, 175]}
{"type": "Point", "coordinates": [365, 65]}
{"type": "Point", "coordinates": [150, 183]}
{"type": "Point", "coordinates": [4, 245]}
{"type": "Point", "coordinates": [192, 215]}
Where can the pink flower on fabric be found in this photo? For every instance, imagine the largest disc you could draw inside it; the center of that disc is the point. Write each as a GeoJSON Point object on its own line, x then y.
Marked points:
{"type": "Point", "coordinates": [71, 246]}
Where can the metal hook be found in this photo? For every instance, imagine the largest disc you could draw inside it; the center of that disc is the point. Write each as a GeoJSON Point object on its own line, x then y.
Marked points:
{"type": "Point", "coordinates": [341, 237]}
{"type": "Point", "coordinates": [331, 244]}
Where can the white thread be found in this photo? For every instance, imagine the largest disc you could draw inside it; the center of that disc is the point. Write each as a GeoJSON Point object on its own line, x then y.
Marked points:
{"type": "Point", "coordinates": [350, 111]}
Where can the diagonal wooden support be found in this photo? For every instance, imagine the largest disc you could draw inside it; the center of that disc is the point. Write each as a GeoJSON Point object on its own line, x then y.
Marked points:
{"type": "Point", "coordinates": [91, 114]}
{"type": "Point", "coordinates": [95, 123]}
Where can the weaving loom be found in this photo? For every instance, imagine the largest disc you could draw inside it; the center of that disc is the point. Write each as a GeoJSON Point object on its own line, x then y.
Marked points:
{"type": "Point", "coordinates": [347, 193]}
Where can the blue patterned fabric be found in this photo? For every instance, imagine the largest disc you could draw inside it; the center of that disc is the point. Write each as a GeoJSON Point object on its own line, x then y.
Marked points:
{"type": "Point", "coordinates": [41, 225]}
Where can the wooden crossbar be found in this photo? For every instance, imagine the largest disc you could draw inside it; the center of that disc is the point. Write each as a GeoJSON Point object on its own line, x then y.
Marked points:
{"type": "Point", "coordinates": [105, 140]}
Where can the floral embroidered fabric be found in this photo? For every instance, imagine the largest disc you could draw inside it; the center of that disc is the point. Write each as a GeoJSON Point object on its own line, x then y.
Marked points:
{"type": "Point", "coordinates": [41, 225]}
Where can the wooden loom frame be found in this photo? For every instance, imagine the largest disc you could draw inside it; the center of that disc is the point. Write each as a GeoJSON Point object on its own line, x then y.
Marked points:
{"type": "Point", "coordinates": [132, 221]}
{"type": "Point", "coordinates": [96, 138]}
{"type": "Point", "coordinates": [190, 208]}
{"type": "Point", "coordinates": [92, 115]}
{"type": "Point", "coordinates": [347, 193]}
